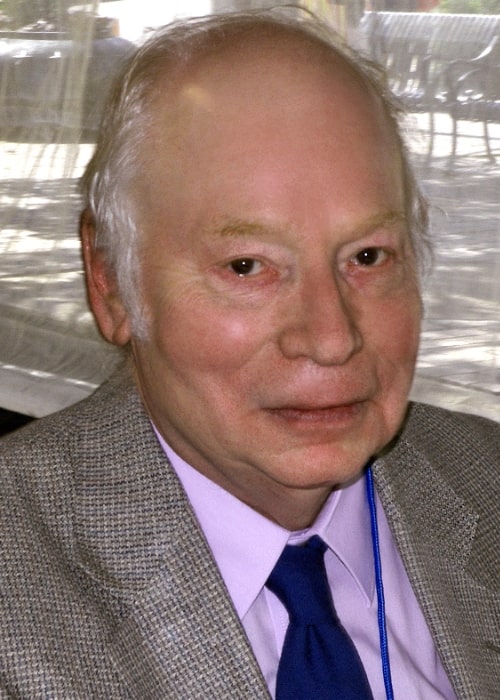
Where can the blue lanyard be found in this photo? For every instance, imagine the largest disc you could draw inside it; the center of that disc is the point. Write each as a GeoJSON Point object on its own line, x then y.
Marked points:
{"type": "Point", "coordinates": [382, 629]}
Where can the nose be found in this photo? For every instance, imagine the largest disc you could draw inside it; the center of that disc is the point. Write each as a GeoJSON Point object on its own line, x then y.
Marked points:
{"type": "Point", "coordinates": [321, 323]}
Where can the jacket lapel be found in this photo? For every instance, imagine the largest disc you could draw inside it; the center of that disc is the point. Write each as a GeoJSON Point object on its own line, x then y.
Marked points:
{"type": "Point", "coordinates": [436, 532]}
{"type": "Point", "coordinates": [138, 540]}
{"type": "Point", "coordinates": [182, 639]}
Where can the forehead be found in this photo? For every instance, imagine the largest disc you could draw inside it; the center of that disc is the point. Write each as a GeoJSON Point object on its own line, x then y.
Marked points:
{"type": "Point", "coordinates": [265, 71]}
{"type": "Point", "coordinates": [273, 117]}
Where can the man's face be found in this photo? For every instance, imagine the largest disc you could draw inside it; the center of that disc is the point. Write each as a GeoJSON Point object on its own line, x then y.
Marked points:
{"type": "Point", "coordinates": [278, 279]}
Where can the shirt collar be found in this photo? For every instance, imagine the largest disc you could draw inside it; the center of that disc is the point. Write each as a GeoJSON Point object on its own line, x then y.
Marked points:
{"type": "Point", "coordinates": [344, 524]}
{"type": "Point", "coordinates": [246, 545]}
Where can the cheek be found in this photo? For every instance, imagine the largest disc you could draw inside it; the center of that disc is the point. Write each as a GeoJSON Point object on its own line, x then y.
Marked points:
{"type": "Point", "coordinates": [395, 329]}
{"type": "Point", "coordinates": [195, 336]}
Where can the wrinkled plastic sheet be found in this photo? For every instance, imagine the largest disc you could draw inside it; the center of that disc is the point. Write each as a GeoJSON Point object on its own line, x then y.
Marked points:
{"type": "Point", "coordinates": [51, 354]}
{"type": "Point", "coordinates": [43, 370]}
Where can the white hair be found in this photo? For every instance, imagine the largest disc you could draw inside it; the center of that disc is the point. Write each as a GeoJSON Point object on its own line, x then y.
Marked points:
{"type": "Point", "coordinates": [119, 157]}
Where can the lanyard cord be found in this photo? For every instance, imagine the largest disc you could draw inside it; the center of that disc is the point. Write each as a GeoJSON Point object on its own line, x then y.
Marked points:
{"type": "Point", "coordinates": [384, 647]}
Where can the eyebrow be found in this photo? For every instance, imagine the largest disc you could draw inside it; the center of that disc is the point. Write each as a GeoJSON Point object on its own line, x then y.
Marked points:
{"type": "Point", "coordinates": [386, 219]}
{"type": "Point", "coordinates": [241, 228]}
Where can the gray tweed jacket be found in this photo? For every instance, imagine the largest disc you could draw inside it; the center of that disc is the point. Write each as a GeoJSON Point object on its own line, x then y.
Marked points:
{"type": "Point", "coordinates": [108, 589]}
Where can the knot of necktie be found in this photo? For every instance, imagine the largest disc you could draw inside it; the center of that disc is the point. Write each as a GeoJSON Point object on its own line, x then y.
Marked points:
{"type": "Point", "coordinates": [299, 581]}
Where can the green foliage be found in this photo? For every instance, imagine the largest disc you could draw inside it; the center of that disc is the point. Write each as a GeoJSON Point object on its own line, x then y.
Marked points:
{"type": "Point", "coordinates": [483, 7]}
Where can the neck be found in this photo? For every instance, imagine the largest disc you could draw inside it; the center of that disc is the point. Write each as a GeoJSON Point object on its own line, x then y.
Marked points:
{"type": "Point", "coordinates": [296, 511]}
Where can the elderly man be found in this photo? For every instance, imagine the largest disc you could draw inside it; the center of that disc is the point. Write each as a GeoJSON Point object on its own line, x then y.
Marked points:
{"type": "Point", "coordinates": [209, 528]}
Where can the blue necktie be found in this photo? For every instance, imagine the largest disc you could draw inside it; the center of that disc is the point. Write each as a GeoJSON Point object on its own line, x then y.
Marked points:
{"type": "Point", "coordinates": [319, 660]}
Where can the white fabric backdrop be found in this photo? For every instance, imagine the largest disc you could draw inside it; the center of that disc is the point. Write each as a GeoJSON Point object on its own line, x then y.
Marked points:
{"type": "Point", "coordinates": [50, 352]}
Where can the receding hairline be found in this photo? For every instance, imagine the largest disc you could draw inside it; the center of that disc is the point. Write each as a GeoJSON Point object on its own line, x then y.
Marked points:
{"type": "Point", "coordinates": [261, 43]}
{"type": "Point", "coordinates": [239, 44]}
{"type": "Point", "coordinates": [181, 91]}
{"type": "Point", "coordinates": [166, 61]}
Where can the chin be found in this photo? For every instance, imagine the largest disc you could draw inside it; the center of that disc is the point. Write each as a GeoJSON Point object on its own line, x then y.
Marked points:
{"type": "Point", "coordinates": [327, 468]}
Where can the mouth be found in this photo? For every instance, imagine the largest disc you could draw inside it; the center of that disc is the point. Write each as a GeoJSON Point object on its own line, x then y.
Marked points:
{"type": "Point", "coordinates": [305, 415]}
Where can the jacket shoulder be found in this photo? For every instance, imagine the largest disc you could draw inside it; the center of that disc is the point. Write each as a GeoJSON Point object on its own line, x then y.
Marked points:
{"type": "Point", "coordinates": [461, 435]}
{"type": "Point", "coordinates": [57, 434]}
{"type": "Point", "coordinates": [463, 448]}
{"type": "Point", "coordinates": [39, 462]}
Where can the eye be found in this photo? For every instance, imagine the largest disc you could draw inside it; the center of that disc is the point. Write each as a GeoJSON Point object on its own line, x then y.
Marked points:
{"type": "Point", "coordinates": [368, 257]}
{"type": "Point", "coordinates": [245, 266]}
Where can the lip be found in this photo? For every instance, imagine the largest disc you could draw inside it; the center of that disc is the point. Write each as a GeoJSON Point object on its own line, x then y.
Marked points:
{"type": "Point", "coordinates": [318, 415]}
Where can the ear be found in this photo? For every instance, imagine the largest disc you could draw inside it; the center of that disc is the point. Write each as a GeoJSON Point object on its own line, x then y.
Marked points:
{"type": "Point", "coordinates": [102, 287]}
